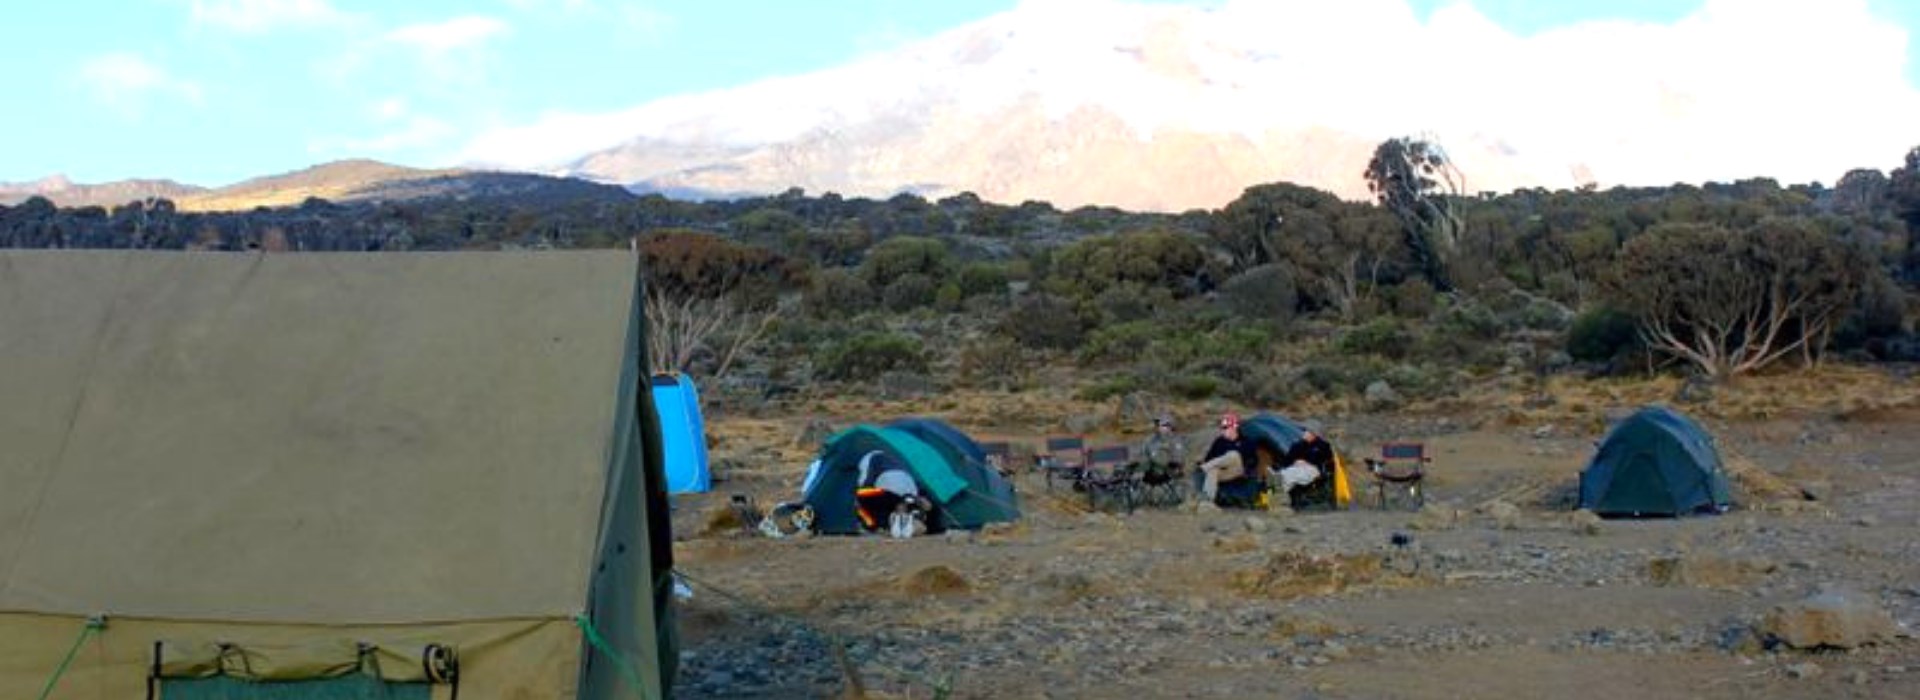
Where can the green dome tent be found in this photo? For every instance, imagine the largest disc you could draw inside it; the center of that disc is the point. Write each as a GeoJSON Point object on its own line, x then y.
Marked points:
{"type": "Point", "coordinates": [1656, 462]}
{"type": "Point", "coordinates": [960, 505]}
{"type": "Point", "coordinates": [969, 461]}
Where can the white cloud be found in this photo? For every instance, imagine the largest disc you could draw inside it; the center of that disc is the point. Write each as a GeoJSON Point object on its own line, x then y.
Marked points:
{"type": "Point", "coordinates": [449, 36]}
{"type": "Point", "coordinates": [399, 128]}
{"type": "Point", "coordinates": [254, 16]}
{"type": "Point", "coordinates": [126, 82]}
{"type": "Point", "coordinates": [1798, 90]}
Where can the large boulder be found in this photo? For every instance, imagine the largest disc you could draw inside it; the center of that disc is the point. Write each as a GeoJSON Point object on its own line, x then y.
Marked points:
{"type": "Point", "coordinates": [1833, 616]}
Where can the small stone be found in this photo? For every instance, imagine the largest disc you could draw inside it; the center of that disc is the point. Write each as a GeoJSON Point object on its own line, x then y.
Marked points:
{"type": "Point", "coordinates": [1895, 670]}
{"type": "Point", "coordinates": [1806, 669]}
{"type": "Point", "coordinates": [1543, 432]}
{"type": "Point", "coordinates": [1586, 522]}
{"type": "Point", "coordinates": [1859, 678]}
{"type": "Point", "coordinates": [1505, 516]}
{"type": "Point", "coordinates": [1258, 525]}
{"type": "Point", "coordinates": [1832, 617]}
{"type": "Point", "coordinates": [1867, 521]}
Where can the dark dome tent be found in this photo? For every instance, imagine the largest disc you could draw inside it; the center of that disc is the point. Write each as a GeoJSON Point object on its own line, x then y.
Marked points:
{"type": "Point", "coordinates": [1656, 462]}
{"type": "Point", "coordinates": [1274, 434]}
{"type": "Point", "coordinates": [969, 460]}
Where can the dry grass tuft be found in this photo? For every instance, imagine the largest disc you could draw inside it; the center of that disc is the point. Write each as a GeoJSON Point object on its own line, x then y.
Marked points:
{"type": "Point", "coordinates": [935, 580]}
{"type": "Point", "coordinates": [1295, 574]}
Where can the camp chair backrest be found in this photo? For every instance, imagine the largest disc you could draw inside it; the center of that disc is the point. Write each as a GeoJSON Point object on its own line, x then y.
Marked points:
{"type": "Point", "coordinates": [1395, 451]}
{"type": "Point", "coordinates": [997, 449]}
{"type": "Point", "coordinates": [1109, 455]}
{"type": "Point", "coordinates": [1056, 445]}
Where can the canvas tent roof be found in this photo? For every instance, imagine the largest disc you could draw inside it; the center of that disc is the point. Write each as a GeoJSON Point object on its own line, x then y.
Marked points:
{"type": "Point", "coordinates": [400, 442]}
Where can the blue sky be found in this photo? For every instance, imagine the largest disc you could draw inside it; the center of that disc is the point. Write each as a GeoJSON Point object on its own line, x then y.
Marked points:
{"type": "Point", "coordinates": [215, 91]}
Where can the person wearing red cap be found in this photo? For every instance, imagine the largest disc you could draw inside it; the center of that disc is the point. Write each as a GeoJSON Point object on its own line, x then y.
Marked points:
{"type": "Point", "coordinates": [1227, 458]}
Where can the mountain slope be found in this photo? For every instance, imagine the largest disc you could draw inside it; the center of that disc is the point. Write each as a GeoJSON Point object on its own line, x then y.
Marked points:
{"type": "Point", "coordinates": [1143, 107]}
{"type": "Point", "coordinates": [63, 192]}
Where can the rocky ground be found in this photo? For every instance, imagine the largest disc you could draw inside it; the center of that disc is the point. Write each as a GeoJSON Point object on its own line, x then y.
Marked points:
{"type": "Point", "coordinates": [1499, 590]}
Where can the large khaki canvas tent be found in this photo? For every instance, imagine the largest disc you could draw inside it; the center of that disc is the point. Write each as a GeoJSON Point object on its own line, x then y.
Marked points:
{"type": "Point", "coordinates": [357, 475]}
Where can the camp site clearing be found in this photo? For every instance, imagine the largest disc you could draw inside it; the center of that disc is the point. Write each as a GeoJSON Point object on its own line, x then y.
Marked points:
{"type": "Point", "coordinates": [1501, 590]}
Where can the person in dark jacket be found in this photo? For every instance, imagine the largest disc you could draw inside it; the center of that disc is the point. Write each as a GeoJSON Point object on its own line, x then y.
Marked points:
{"type": "Point", "coordinates": [1228, 458]}
{"type": "Point", "coordinates": [1307, 459]}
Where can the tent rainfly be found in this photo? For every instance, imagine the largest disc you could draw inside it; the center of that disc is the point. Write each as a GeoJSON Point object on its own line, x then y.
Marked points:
{"type": "Point", "coordinates": [355, 475]}
{"type": "Point", "coordinates": [1656, 462]}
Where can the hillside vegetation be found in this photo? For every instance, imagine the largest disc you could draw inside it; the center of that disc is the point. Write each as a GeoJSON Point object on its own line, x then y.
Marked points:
{"type": "Point", "coordinates": [1284, 294]}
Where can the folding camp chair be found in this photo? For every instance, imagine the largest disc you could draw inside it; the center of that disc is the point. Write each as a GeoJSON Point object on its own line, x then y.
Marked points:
{"type": "Point", "coordinates": [1401, 466]}
{"type": "Point", "coordinates": [1161, 484]}
{"type": "Point", "coordinates": [1110, 478]}
{"type": "Point", "coordinates": [1065, 460]}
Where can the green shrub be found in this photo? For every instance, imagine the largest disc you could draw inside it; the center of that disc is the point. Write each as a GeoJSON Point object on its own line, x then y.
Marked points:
{"type": "Point", "coordinates": [1413, 298]}
{"type": "Point", "coordinates": [908, 292]}
{"type": "Point", "coordinates": [1265, 292]}
{"type": "Point", "coordinates": [1193, 387]}
{"type": "Point", "coordinates": [993, 362]}
{"type": "Point", "coordinates": [1044, 321]}
{"type": "Point", "coordinates": [1120, 342]}
{"type": "Point", "coordinates": [982, 278]}
{"type": "Point", "coordinates": [1384, 336]}
{"type": "Point", "coordinates": [866, 356]}
{"type": "Point", "coordinates": [1600, 334]}
{"type": "Point", "coordinates": [838, 293]}
{"type": "Point", "coordinates": [1131, 302]}
{"type": "Point", "coordinates": [1107, 388]}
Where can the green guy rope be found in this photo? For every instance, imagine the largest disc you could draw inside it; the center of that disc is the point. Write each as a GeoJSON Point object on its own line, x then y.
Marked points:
{"type": "Point", "coordinates": [94, 625]}
{"type": "Point", "coordinates": [619, 660]}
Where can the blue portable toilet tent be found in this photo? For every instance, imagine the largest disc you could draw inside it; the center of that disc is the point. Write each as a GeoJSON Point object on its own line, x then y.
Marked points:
{"type": "Point", "coordinates": [683, 436]}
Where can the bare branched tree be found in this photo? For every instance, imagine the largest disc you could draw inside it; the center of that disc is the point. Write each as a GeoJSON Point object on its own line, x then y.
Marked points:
{"type": "Point", "coordinates": [1730, 303]}
{"type": "Point", "coordinates": [681, 328]}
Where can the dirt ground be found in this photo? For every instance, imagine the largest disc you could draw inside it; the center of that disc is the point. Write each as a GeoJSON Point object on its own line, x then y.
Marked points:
{"type": "Point", "coordinates": [1499, 591]}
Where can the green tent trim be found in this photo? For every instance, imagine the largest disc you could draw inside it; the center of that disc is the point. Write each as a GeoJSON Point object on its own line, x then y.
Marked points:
{"type": "Point", "coordinates": [939, 478]}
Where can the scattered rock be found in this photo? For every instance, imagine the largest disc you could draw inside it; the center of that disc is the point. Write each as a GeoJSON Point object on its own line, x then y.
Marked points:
{"type": "Point", "coordinates": [1258, 525]}
{"type": "Point", "coordinates": [1381, 396]}
{"type": "Point", "coordinates": [1741, 640]}
{"type": "Point", "coordinates": [1818, 490]}
{"type": "Point", "coordinates": [1695, 390]}
{"type": "Point", "coordinates": [1538, 401]}
{"type": "Point", "coordinates": [1859, 678]}
{"type": "Point", "coordinates": [1832, 617]}
{"type": "Point", "coordinates": [1805, 669]}
{"type": "Point", "coordinates": [1867, 521]}
{"type": "Point", "coordinates": [1706, 572]}
{"type": "Point", "coordinates": [1504, 515]}
{"type": "Point", "coordinates": [1084, 423]}
{"type": "Point", "coordinates": [1586, 522]}
{"type": "Point", "coordinates": [1236, 544]}
{"type": "Point", "coordinates": [1432, 518]}
{"type": "Point", "coordinates": [1543, 432]}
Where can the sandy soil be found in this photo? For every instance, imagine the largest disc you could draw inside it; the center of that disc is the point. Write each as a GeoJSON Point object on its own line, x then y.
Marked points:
{"type": "Point", "coordinates": [1484, 601]}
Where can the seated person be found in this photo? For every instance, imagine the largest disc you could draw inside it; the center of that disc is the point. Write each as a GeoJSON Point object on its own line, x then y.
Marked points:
{"type": "Point", "coordinates": [1164, 454]}
{"type": "Point", "coordinates": [1230, 457]}
{"type": "Point", "coordinates": [885, 490]}
{"type": "Point", "coordinates": [1306, 460]}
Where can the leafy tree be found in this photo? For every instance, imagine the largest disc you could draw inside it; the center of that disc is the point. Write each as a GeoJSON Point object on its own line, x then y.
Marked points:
{"type": "Point", "coordinates": [1731, 302]}
{"type": "Point", "coordinates": [1418, 182]}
